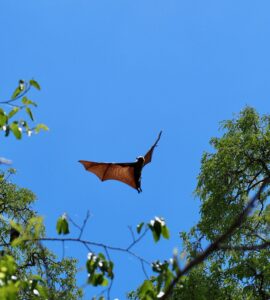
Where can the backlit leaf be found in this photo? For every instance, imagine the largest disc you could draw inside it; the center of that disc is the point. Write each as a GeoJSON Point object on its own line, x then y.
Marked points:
{"type": "Point", "coordinates": [35, 84]}
{"type": "Point", "coordinates": [16, 130]}
{"type": "Point", "coordinates": [29, 112]}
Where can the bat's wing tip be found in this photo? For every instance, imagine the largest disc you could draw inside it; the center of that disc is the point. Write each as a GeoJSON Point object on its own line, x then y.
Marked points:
{"type": "Point", "coordinates": [82, 162]}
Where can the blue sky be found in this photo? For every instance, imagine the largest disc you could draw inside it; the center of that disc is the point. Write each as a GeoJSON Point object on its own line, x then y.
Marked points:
{"type": "Point", "coordinates": [113, 74]}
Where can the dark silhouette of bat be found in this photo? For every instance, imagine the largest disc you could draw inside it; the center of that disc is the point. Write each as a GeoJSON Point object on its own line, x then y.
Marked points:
{"type": "Point", "coordinates": [129, 173]}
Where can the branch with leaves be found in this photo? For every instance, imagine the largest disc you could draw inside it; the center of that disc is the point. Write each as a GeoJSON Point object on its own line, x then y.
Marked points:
{"type": "Point", "coordinates": [99, 265]}
{"type": "Point", "coordinates": [216, 245]}
{"type": "Point", "coordinates": [20, 102]}
{"type": "Point", "coordinates": [231, 183]}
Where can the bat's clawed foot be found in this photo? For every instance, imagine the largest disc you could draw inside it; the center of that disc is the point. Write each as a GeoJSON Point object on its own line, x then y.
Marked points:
{"type": "Point", "coordinates": [139, 190]}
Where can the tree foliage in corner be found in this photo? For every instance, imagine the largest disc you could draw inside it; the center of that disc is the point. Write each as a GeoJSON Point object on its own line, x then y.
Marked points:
{"type": "Point", "coordinates": [229, 177]}
{"type": "Point", "coordinates": [28, 270]}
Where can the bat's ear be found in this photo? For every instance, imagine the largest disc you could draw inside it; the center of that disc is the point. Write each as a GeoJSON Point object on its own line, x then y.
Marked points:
{"type": "Point", "coordinates": [140, 158]}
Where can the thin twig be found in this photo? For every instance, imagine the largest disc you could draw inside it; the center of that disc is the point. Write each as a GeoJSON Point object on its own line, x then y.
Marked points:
{"type": "Point", "coordinates": [87, 247]}
{"type": "Point", "coordinates": [73, 223]}
{"type": "Point", "coordinates": [8, 102]}
{"type": "Point", "coordinates": [132, 233]}
{"type": "Point", "coordinates": [81, 228]}
{"type": "Point", "coordinates": [144, 270]}
{"type": "Point", "coordinates": [84, 223]}
{"type": "Point", "coordinates": [88, 243]}
{"type": "Point", "coordinates": [138, 239]}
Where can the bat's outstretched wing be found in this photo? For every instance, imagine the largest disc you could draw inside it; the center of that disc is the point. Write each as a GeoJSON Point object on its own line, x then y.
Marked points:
{"type": "Point", "coordinates": [148, 155]}
{"type": "Point", "coordinates": [123, 172]}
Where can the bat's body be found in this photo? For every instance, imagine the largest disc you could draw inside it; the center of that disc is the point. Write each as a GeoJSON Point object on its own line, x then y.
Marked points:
{"type": "Point", "coordinates": [129, 173]}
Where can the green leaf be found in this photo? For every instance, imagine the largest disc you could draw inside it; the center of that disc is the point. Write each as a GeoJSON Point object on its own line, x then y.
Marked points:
{"type": "Point", "coordinates": [62, 226]}
{"type": "Point", "coordinates": [41, 126]}
{"type": "Point", "coordinates": [97, 279]}
{"type": "Point", "coordinates": [16, 130]}
{"type": "Point", "coordinates": [110, 270]}
{"type": "Point", "coordinates": [34, 227]}
{"type": "Point", "coordinates": [155, 227]}
{"type": "Point", "coordinates": [29, 112]}
{"type": "Point", "coordinates": [267, 213]}
{"type": "Point", "coordinates": [65, 226]}
{"type": "Point", "coordinates": [13, 112]}
{"type": "Point", "coordinates": [27, 101]}
{"type": "Point", "coordinates": [90, 266]}
{"type": "Point", "coordinates": [101, 255]}
{"type": "Point", "coordinates": [35, 84]}
{"type": "Point", "coordinates": [139, 227]}
{"type": "Point", "coordinates": [105, 281]}
{"type": "Point", "coordinates": [3, 120]}
{"type": "Point", "coordinates": [158, 228]}
{"type": "Point", "coordinates": [165, 232]}
{"type": "Point", "coordinates": [59, 226]}
{"type": "Point", "coordinates": [146, 289]}
{"type": "Point", "coordinates": [16, 93]}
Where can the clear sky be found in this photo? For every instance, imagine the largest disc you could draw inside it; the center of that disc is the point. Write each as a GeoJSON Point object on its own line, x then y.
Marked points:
{"type": "Point", "coordinates": [113, 74]}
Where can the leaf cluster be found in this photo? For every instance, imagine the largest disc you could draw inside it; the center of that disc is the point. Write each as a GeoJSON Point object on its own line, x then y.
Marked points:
{"type": "Point", "coordinates": [19, 103]}
{"type": "Point", "coordinates": [99, 269]}
{"type": "Point", "coordinates": [36, 268]}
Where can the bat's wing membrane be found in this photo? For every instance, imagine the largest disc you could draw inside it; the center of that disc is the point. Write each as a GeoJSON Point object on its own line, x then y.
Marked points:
{"type": "Point", "coordinates": [123, 172]}
{"type": "Point", "coordinates": [148, 155]}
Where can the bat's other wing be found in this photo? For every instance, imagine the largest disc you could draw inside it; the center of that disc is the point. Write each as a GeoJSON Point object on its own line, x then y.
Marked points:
{"type": "Point", "coordinates": [148, 155]}
{"type": "Point", "coordinates": [123, 172]}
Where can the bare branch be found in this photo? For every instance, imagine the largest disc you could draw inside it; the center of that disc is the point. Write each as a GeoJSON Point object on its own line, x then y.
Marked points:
{"type": "Point", "coordinates": [132, 233]}
{"type": "Point", "coordinates": [144, 271]}
{"type": "Point", "coordinates": [73, 223]}
{"type": "Point", "coordinates": [81, 228]}
{"type": "Point", "coordinates": [84, 223]}
{"type": "Point", "coordinates": [137, 240]}
{"type": "Point", "coordinates": [86, 243]}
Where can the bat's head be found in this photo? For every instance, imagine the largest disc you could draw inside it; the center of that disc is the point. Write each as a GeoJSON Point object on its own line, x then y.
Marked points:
{"type": "Point", "coordinates": [140, 159]}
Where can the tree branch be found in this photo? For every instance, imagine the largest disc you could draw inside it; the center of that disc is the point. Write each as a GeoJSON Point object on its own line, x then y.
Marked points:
{"type": "Point", "coordinates": [256, 247]}
{"type": "Point", "coordinates": [9, 102]}
{"type": "Point", "coordinates": [88, 243]}
{"type": "Point", "coordinates": [216, 244]}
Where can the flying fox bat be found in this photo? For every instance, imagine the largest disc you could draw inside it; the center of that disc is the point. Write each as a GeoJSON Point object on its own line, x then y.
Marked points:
{"type": "Point", "coordinates": [129, 173]}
